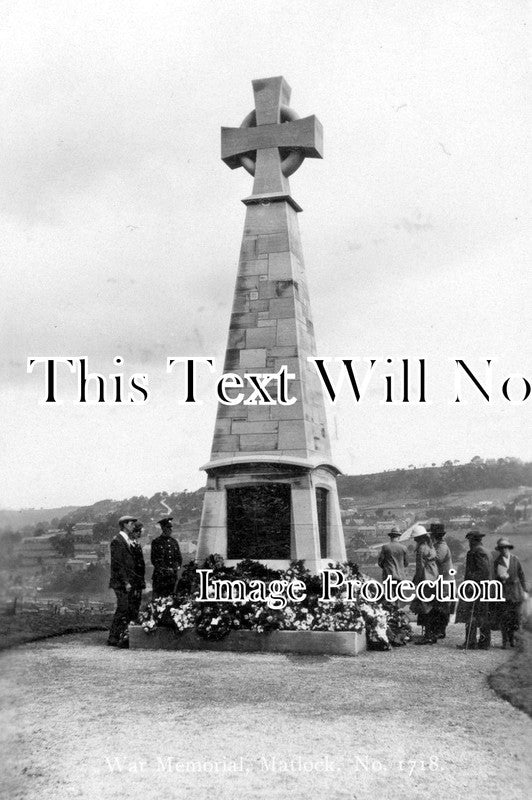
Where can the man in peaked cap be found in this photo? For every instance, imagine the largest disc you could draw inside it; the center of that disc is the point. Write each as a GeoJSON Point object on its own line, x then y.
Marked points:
{"type": "Point", "coordinates": [393, 557]}
{"type": "Point", "coordinates": [166, 560]}
{"type": "Point", "coordinates": [123, 574]}
{"type": "Point", "coordinates": [475, 614]}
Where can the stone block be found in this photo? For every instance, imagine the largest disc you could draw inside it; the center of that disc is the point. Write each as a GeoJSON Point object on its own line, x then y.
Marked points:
{"type": "Point", "coordinates": [245, 283]}
{"type": "Point", "coordinates": [261, 337]}
{"type": "Point", "coordinates": [292, 435]}
{"type": "Point", "coordinates": [257, 441]}
{"type": "Point", "coordinates": [267, 323]}
{"type": "Point", "coordinates": [282, 308]}
{"type": "Point", "coordinates": [332, 643]}
{"type": "Point", "coordinates": [286, 332]}
{"type": "Point", "coordinates": [232, 359]}
{"type": "Point", "coordinates": [273, 243]}
{"type": "Point", "coordinates": [283, 352]}
{"type": "Point", "coordinates": [260, 306]}
{"type": "Point", "coordinates": [258, 413]}
{"type": "Point", "coordinates": [237, 338]}
{"type": "Point", "coordinates": [260, 426]}
{"type": "Point", "coordinates": [287, 288]}
{"type": "Point", "coordinates": [224, 444]}
{"type": "Point", "coordinates": [252, 358]}
{"type": "Point", "coordinates": [232, 412]}
{"type": "Point", "coordinates": [267, 290]}
{"type": "Point", "coordinates": [254, 267]}
{"type": "Point", "coordinates": [222, 427]}
{"type": "Point", "coordinates": [248, 251]}
{"type": "Point", "coordinates": [240, 303]}
{"type": "Point", "coordinates": [293, 412]}
{"type": "Point", "coordinates": [244, 320]}
{"type": "Point", "coordinates": [279, 266]}
{"type": "Point", "coordinates": [261, 219]}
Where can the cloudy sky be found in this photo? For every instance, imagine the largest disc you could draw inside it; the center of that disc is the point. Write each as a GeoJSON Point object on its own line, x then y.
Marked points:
{"type": "Point", "coordinates": [121, 226]}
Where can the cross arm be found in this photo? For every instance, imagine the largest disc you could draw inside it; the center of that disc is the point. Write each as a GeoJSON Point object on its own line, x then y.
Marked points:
{"type": "Point", "coordinates": [304, 135]}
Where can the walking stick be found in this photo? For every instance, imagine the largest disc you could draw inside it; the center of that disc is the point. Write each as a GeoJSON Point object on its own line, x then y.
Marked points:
{"type": "Point", "coordinates": [468, 629]}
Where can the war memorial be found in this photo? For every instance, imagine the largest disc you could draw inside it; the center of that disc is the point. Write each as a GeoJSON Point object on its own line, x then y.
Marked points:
{"type": "Point", "coordinates": [271, 494]}
{"type": "Point", "coordinates": [271, 486]}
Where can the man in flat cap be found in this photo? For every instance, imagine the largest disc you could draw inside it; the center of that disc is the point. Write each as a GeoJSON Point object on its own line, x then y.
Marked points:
{"type": "Point", "coordinates": [475, 614]}
{"type": "Point", "coordinates": [393, 557]}
{"type": "Point", "coordinates": [123, 578]}
{"type": "Point", "coordinates": [442, 609]}
{"type": "Point", "coordinates": [166, 560]}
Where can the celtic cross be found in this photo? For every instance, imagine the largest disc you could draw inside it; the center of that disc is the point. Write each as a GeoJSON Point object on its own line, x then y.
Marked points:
{"type": "Point", "coordinates": [272, 142]}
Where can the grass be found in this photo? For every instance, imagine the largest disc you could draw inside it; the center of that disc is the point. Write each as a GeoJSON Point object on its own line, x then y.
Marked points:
{"type": "Point", "coordinates": [513, 680]}
{"type": "Point", "coordinates": [31, 626]}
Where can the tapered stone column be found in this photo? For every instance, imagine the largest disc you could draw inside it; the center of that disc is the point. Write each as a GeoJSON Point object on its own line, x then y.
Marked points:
{"type": "Point", "coordinates": [271, 488]}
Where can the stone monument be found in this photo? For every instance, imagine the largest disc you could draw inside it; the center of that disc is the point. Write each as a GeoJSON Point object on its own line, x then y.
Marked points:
{"type": "Point", "coordinates": [271, 488]}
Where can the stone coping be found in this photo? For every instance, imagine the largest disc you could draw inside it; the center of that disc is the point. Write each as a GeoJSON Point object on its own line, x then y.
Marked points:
{"type": "Point", "coordinates": [271, 458]}
{"type": "Point", "coordinates": [338, 643]}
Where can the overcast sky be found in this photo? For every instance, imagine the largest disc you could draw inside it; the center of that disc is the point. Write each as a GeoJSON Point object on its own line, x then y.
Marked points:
{"type": "Point", "coordinates": [121, 226]}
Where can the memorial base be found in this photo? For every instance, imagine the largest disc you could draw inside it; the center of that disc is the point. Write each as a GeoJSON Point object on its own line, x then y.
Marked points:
{"type": "Point", "coordinates": [332, 643]}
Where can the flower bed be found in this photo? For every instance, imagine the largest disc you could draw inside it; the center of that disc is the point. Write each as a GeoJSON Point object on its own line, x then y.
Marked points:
{"type": "Point", "coordinates": [183, 617]}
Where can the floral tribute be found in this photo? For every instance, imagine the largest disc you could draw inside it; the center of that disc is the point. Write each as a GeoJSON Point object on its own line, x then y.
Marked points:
{"type": "Point", "coordinates": [385, 624]}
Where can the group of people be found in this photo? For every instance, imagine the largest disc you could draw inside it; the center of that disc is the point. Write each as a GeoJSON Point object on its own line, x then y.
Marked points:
{"type": "Point", "coordinates": [433, 558]}
{"type": "Point", "coordinates": [128, 571]}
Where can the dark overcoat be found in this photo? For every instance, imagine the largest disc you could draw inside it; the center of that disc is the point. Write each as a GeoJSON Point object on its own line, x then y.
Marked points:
{"type": "Point", "coordinates": [122, 564]}
{"type": "Point", "coordinates": [477, 568]}
{"type": "Point", "coordinates": [513, 589]}
{"type": "Point", "coordinates": [393, 559]}
{"type": "Point", "coordinates": [140, 567]}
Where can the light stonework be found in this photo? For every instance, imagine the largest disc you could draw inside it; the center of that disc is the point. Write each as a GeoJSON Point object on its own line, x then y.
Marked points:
{"type": "Point", "coordinates": [271, 327]}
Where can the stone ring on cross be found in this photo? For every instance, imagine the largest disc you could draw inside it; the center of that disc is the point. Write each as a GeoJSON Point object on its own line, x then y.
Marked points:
{"type": "Point", "coordinates": [291, 160]}
{"type": "Point", "coordinates": [272, 142]}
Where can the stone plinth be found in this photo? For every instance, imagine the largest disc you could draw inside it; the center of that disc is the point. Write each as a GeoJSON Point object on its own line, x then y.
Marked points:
{"type": "Point", "coordinates": [333, 643]}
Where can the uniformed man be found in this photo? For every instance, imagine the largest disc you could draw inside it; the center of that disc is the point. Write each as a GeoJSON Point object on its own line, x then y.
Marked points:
{"type": "Point", "coordinates": [475, 614]}
{"type": "Point", "coordinates": [393, 557]}
{"type": "Point", "coordinates": [122, 579]}
{"type": "Point", "coordinates": [138, 583]}
{"type": "Point", "coordinates": [166, 560]}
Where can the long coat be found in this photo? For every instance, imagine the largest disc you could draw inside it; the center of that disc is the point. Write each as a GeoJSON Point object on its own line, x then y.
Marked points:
{"type": "Point", "coordinates": [513, 589]}
{"type": "Point", "coordinates": [426, 570]}
{"type": "Point", "coordinates": [514, 586]}
{"type": "Point", "coordinates": [393, 558]}
{"type": "Point", "coordinates": [140, 566]}
{"type": "Point", "coordinates": [122, 564]}
{"type": "Point", "coordinates": [477, 568]}
{"type": "Point", "coordinates": [444, 563]}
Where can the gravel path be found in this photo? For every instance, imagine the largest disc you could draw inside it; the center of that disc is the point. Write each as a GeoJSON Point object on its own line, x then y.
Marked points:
{"type": "Point", "coordinates": [419, 722]}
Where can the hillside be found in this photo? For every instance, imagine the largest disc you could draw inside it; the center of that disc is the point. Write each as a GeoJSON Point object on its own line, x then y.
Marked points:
{"type": "Point", "coordinates": [436, 483]}
{"type": "Point", "coordinates": [449, 485]}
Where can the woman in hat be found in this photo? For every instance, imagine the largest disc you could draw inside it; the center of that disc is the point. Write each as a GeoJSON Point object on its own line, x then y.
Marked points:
{"type": "Point", "coordinates": [507, 570]}
{"type": "Point", "coordinates": [426, 570]}
{"type": "Point", "coordinates": [442, 609]}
